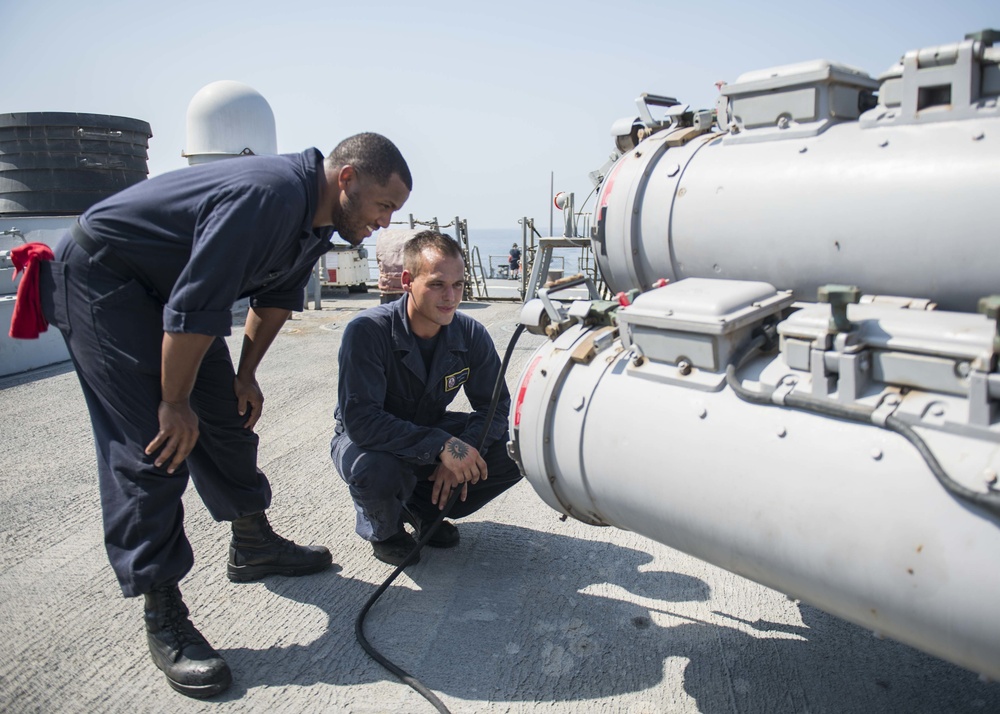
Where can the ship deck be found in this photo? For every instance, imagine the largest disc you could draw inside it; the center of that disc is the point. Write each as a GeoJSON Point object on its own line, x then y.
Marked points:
{"type": "Point", "coordinates": [529, 614]}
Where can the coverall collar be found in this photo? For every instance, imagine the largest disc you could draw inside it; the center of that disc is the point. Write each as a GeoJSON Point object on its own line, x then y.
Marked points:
{"type": "Point", "coordinates": [312, 164]}
{"type": "Point", "coordinates": [403, 339]}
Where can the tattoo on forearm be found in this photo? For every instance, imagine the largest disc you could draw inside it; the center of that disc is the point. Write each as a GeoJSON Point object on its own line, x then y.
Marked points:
{"type": "Point", "coordinates": [458, 448]}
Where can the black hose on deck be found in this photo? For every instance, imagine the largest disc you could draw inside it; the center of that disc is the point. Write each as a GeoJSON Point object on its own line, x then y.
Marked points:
{"type": "Point", "coordinates": [359, 623]}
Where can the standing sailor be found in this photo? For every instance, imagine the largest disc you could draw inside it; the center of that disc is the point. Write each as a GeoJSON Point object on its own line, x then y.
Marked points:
{"type": "Point", "coordinates": [142, 289]}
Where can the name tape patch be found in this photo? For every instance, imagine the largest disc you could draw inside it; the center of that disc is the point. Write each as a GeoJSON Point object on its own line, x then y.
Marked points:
{"type": "Point", "coordinates": [454, 381]}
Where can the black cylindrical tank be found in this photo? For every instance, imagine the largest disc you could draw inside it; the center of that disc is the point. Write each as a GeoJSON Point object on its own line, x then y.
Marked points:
{"type": "Point", "coordinates": [61, 163]}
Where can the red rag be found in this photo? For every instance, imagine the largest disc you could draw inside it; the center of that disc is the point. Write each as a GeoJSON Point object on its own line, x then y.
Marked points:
{"type": "Point", "coordinates": [27, 322]}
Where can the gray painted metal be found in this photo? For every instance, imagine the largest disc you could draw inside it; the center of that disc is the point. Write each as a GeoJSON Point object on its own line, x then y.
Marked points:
{"type": "Point", "coordinates": [642, 433]}
{"type": "Point", "coordinates": [23, 355]}
{"type": "Point", "coordinates": [805, 183]}
{"type": "Point", "coordinates": [884, 202]}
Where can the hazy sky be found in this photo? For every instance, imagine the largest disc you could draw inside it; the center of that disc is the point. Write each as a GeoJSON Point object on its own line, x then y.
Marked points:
{"type": "Point", "coordinates": [483, 99]}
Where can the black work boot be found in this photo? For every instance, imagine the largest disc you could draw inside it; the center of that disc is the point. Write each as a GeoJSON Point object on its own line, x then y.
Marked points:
{"type": "Point", "coordinates": [181, 652]}
{"type": "Point", "coordinates": [256, 551]}
{"type": "Point", "coordinates": [393, 550]}
{"type": "Point", "coordinates": [446, 535]}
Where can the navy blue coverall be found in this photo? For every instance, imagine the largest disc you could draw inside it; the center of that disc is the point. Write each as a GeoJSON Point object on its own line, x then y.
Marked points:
{"type": "Point", "coordinates": [174, 253]}
{"type": "Point", "coordinates": [392, 418]}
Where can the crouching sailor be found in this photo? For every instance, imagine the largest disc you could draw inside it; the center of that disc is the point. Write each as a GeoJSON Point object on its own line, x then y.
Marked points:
{"type": "Point", "coordinates": [395, 444]}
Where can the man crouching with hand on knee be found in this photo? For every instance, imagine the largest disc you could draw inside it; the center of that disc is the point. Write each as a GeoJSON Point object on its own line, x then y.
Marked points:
{"type": "Point", "coordinates": [400, 451]}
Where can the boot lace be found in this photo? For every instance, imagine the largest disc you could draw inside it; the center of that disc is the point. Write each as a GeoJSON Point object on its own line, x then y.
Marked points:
{"type": "Point", "coordinates": [268, 536]}
{"type": "Point", "coordinates": [175, 619]}
{"type": "Point", "coordinates": [273, 537]}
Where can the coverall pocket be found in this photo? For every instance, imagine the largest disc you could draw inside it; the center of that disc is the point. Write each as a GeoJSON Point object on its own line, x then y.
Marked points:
{"type": "Point", "coordinates": [400, 405]}
{"type": "Point", "coordinates": [129, 327]}
{"type": "Point", "coordinates": [53, 294]}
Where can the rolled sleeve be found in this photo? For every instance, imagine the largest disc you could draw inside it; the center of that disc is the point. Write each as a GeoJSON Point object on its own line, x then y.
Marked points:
{"type": "Point", "coordinates": [206, 322]}
{"type": "Point", "coordinates": [293, 300]}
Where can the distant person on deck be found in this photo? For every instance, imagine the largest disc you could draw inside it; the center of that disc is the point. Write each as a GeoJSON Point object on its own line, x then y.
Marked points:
{"type": "Point", "coordinates": [514, 261]}
{"type": "Point", "coordinates": [399, 449]}
{"type": "Point", "coordinates": [141, 288]}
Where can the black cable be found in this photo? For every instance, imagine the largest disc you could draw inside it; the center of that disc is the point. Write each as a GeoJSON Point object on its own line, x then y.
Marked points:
{"type": "Point", "coordinates": [756, 344]}
{"type": "Point", "coordinates": [359, 623]}
{"type": "Point", "coordinates": [989, 501]}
